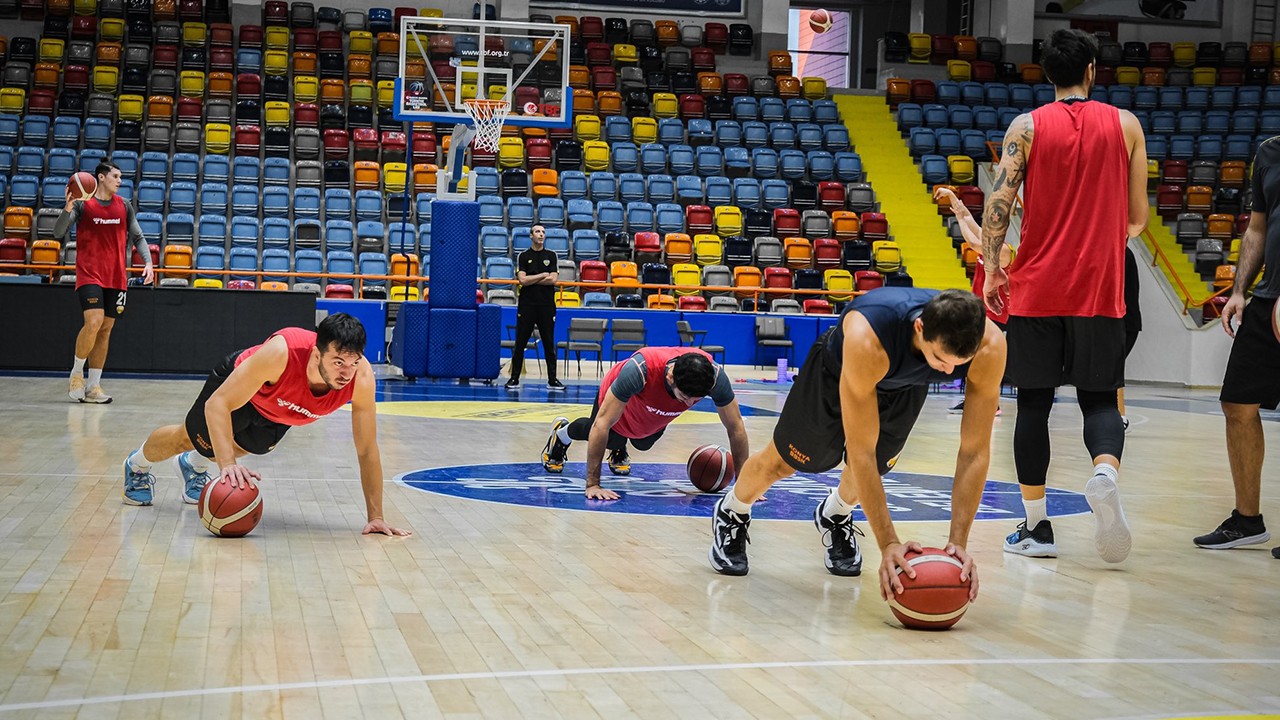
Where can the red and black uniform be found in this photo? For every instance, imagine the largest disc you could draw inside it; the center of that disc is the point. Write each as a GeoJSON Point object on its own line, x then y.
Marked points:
{"type": "Point", "coordinates": [103, 232]}
{"type": "Point", "coordinates": [288, 402]}
{"type": "Point", "coordinates": [1066, 286]}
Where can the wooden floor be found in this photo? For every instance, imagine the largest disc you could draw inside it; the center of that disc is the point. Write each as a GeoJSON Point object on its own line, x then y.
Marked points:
{"type": "Point", "coordinates": [498, 611]}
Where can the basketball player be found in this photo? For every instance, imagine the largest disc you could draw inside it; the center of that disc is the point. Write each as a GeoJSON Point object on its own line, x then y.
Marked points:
{"type": "Point", "coordinates": [254, 396]}
{"type": "Point", "coordinates": [536, 273]}
{"type": "Point", "coordinates": [1252, 379]}
{"type": "Point", "coordinates": [637, 400]}
{"type": "Point", "coordinates": [1085, 168]}
{"type": "Point", "coordinates": [857, 396]}
{"type": "Point", "coordinates": [105, 224]}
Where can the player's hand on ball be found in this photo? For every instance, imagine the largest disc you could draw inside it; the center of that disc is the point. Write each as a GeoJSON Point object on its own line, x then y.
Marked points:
{"type": "Point", "coordinates": [969, 572]}
{"type": "Point", "coordinates": [240, 476]}
{"type": "Point", "coordinates": [894, 556]}
{"type": "Point", "coordinates": [595, 492]}
{"type": "Point", "coordinates": [378, 525]}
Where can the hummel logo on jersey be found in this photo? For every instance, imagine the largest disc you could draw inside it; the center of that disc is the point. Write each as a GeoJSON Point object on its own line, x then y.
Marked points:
{"type": "Point", "coordinates": [296, 408]}
{"type": "Point", "coordinates": [663, 413]}
{"type": "Point", "coordinates": [106, 221]}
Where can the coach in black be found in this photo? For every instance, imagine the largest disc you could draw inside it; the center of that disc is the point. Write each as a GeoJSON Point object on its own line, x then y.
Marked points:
{"type": "Point", "coordinates": [536, 273]}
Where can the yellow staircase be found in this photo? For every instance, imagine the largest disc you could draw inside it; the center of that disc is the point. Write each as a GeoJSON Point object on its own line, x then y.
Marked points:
{"type": "Point", "coordinates": [1183, 268]}
{"type": "Point", "coordinates": [904, 198]}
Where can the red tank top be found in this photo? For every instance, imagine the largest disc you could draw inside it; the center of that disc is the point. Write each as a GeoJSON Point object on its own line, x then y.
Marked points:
{"type": "Point", "coordinates": [289, 400]}
{"type": "Point", "coordinates": [979, 281]}
{"type": "Point", "coordinates": [653, 408]}
{"type": "Point", "coordinates": [1071, 258]}
{"type": "Point", "coordinates": [100, 244]}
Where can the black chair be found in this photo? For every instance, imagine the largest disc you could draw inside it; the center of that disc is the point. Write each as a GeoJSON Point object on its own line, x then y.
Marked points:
{"type": "Point", "coordinates": [772, 332]}
{"type": "Point", "coordinates": [627, 336]}
{"type": "Point", "coordinates": [741, 39]}
{"type": "Point", "coordinates": [586, 335]}
{"type": "Point", "coordinates": [694, 338]}
{"type": "Point", "coordinates": [896, 47]}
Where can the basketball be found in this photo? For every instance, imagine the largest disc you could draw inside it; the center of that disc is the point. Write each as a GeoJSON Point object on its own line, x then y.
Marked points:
{"type": "Point", "coordinates": [228, 511]}
{"type": "Point", "coordinates": [819, 21]}
{"type": "Point", "coordinates": [935, 599]}
{"type": "Point", "coordinates": [710, 468]}
{"type": "Point", "coordinates": [82, 185]}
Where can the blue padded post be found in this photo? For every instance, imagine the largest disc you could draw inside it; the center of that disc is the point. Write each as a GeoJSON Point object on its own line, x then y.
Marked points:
{"type": "Point", "coordinates": [488, 342]}
{"type": "Point", "coordinates": [409, 341]}
{"type": "Point", "coordinates": [451, 348]}
{"type": "Point", "coordinates": [455, 250]}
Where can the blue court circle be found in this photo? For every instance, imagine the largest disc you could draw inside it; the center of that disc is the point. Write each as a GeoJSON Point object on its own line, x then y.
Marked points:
{"type": "Point", "coordinates": [664, 489]}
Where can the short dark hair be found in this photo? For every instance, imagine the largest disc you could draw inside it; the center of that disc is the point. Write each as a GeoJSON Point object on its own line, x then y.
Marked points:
{"type": "Point", "coordinates": [1066, 56]}
{"type": "Point", "coordinates": [341, 333]}
{"type": "Point", "coordinates": [693, 374]}
{"type": "Point", "coordinates": [958, 319]}
{"type": "Point", "coordinates": [104, 168]}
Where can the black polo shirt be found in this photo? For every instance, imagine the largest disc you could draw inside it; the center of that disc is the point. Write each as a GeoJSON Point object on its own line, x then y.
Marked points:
{"type": "Point", "coordinates": [536, 262]}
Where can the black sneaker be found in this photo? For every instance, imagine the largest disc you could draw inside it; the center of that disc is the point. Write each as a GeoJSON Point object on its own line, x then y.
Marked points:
{"type": "Point", "coordinates": [958, 408]}
{"type": "Point", "coordinates": [619, 462]}
{"type": "Point", "coordinates": [554, 452]}
{"type": "Point", "coordinates": [512, 384]}
{"type": "Point", "coordinates": [1235, 531]}
{"type": "Point", "coordinates": [555, 385]}
{"type": "Point", "coordinates": [839, 536]}
{"type": "Point", "coordinates": [729, 538]}
{"type": "Point", "coordinates": [1275, 552]}
{"type": "Point", "coordinates": [1037, 542]}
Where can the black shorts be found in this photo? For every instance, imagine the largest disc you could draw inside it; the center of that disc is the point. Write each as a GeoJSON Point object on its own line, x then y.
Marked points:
{"type": "Point", "coordinates": [810, 433]}
{"type": "Point", "coordinates": [617, 441]}
{"type": "Point", "coordinates": [250, 430]}
{"type": "Point", "coordinates": [1049, 352]}
{"type": "Point", "coordinates": [1253, 370]}
{"type": "Point", "coordinates": [96, 297]}
{"type": "Point", "coordinates": [1130, 339]}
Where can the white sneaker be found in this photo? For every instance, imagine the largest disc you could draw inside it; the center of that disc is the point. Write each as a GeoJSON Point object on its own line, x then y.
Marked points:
{"type": "Point", "coordinates": [1111, 532]}
{"type": "Point", "coordinates": [95, 395]}
{"type": "Point", "coordinates": [1125, 421]}
{"type": "Point", "coordinates": [77, 389]}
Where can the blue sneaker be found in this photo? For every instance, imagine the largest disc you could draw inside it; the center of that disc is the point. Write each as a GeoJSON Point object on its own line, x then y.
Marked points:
{"type": "Point", "coordinates": [193, 482]}
{"type": "Point", "coordinates": [137, 485]}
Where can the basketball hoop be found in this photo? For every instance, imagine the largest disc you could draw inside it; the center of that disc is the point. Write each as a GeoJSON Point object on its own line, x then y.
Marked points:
{"type": "Point", "coordinates": [488, 115]}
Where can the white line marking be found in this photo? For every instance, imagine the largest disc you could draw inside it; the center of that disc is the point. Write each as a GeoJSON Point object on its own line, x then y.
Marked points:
{"type": "Point", "coordinates": [570, 672]}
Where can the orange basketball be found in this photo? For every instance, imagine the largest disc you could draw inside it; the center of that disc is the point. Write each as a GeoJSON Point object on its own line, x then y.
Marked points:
{"type": "Point", "coordinates": [710, 468]}
{"type": "Point", "coordinates": [820, 21]}
{"type": "Point", "coordinates": [82, 185]}
{"type": "Point", "coordinates": [228, 511]}
{"type": "Point", "coordinates": [935, 599]}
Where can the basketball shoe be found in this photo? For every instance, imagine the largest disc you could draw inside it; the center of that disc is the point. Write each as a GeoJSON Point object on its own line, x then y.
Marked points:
{"type": "Point", "coordinates": [554, 452]}
{"type": "Point", "coordinates": [193, 482]}
{"type": "Point", "coordinates": [619, 462]}
{"type": "Point", "coordinates": [96, 396]}
{"type": "Point", "coordinates": [729, 538]}
{"type": "Point", "coordinates": [1036, 542]}
{"type": "Point", "coordinates": [554, 384]}
{"type": "Point", "coordinates": [137, 485]}
{"type": "Point", "coordinates": [1111, 534]}
{"type": "Point", "coordinates": [76, 392]}
{"type": "Point", "coordinates": [839, 536]}
{"type": "Point", "coordinates": [1235, 531]}
{"type": "Point", "coordinates": [512, 384]}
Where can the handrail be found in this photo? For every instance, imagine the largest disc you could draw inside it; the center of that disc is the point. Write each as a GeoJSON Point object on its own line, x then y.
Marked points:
{"type": "Point", "coordinates": [1159, 256]}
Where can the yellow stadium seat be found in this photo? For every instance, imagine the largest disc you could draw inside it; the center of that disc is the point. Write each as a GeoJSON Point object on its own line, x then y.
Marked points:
{"type": "Point", "coordinates": [595, 155]}
{"type": "Point", "coordinates": [665, 105]}
{"type": "Point", "coordinates": [707, 249]}
{"type": "Point", "coordinates": [86, 7]}
{"type": "Point", "coordinates": [130, 107]}
{"type": "Point", "coordinates": [276, 37]}
{"type": "Point", "coordinates": [51, 50]}
{"type": "Point", "coordinates": [728, 220]}
{"type": "Point", "coordinates": [1128, 75]}
{"type": "Point", "coordinates": [962, 170]}
{"type": "Point", "coordinates": [510, 153]}
{"type": "Point", "coordinates": [111, 29]}
{"type": "Point", "coordinates": [625, 54]}
{"type": "Point", "coordinates": [1184, 54]}
{"type": "Point", "coordinates": [106, 79]}
{"type": "Point", "coordinates": [839, 280]}
{"type": "Point", "coordinates": [586, 127]}
{"type": "Point", "coordinates": [361, 92]}
{"type": "Point", "coordinates": [921, 45]}
{"type": "Point", "coordinates": [277, 113]}
{"type": "Point", "coordinates": [275, 62]}
{"type": "Point", "coordinates": [306, 89]}
{"type": "Point", "coordinates": [431, 12]}
{"type": "Point", "coordinates": [814, 88]}
{"type": "Point", "coordinates": [191, 84]}
{"type": "Point", "coordinates": [886, 256]}
{"type": "Point", "coordinates": [208, 283]}
{"type": "Point", "coordinates": [386, 93]}
{"type": "Point", "coordinates": [568, 298]}
{"type": "Point", "coordinates": [196, 34]}
{"type": "Point", "coordinates": [1206, 76]}
{"type": "Point", "coordinates": [687, 275]}
{"type": "Point", "coordinates": [394, 177]}
{"type": "Point", "coordinates": [405, 294]}
{"type": "Point", "coordinates": [360, 42]}
{"type": "Point", "coordinates": [13, 100]}
{"type": "Point", "coordinates": [217, 138]}
{"type": "Point", "coordinates": [959, 70]}
{"type": "Point", "coordinates": [644, 130]}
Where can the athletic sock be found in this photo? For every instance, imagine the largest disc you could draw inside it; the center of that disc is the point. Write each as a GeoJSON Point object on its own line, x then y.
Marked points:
{"type": "Point", "coordinates": [198, 462]}
{"type": "Point", "coordinates": [1107, 470]}
{"type": "Point", "coordinates": [733, 504]}
{"type": "Point", "coordinates": [1035, 512]}
{"type": "Point", "coordinates": [835, 505]}
{"type": "Point", "coordinates": [563, 435]}
{"type": "Point", "coordinates": [77, 369]}
{"type": "Point", "coordinates": [95, 377]}
{"type": "Point", "coordinates": [139, 462]}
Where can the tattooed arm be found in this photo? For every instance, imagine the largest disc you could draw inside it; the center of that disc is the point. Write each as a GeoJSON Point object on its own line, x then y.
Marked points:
{"type": "Point", "coordinates": [999, 209]}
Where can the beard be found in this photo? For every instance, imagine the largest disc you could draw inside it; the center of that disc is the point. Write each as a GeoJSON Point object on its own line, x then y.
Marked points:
{"type": "Point", "coordinates": [328, 381]}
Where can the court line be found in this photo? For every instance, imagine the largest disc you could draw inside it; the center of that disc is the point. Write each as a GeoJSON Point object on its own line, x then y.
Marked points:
{"type": "Point", "coordinates": [637, 670]}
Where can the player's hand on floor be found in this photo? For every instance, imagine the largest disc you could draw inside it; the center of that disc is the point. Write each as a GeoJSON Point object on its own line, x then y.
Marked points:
{"type": "Point", "coordinates": [595, 492]}
{"type": "Point", "coordinates": [968, 572]}
{"type": "Point", "coordinates": [240, 476]}
{"type": "Point", "coordinates": [378, 525]}
{"type": "Point", "coordinates": [894, 556]}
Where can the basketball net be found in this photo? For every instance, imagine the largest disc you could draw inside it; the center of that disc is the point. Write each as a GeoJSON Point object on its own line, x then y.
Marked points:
{"type": "Point", "coordinates": [488, 116]}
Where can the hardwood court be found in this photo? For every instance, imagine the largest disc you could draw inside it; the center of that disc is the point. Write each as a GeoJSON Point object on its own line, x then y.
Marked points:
{"type": "Point", "coordinates": [500, 611]}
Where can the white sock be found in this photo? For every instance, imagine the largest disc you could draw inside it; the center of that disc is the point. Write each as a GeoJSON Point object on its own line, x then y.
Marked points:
{"type": "Point", "coordinates": [1107, 470]}
{"type": "Point", "coordinates": [1035, 511]}
{"type": "Point", "coordinates": [835, 505]}
{"type": "Point", "coordinates": [77, 369]}
{"type": "Point", "coordinates": [95, 377]}
{"type": "Point", "coordinates": [138, 460]}
{"type": "Point", "coordinates": [732, 503]}
{"type": "Point", "coordinates": [563, 435]}
{"type": "Point", "coordinates": [198, 462]}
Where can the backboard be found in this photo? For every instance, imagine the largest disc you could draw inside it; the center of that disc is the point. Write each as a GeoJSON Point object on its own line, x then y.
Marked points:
{"type": "Point", "coordinates": [441, 66]}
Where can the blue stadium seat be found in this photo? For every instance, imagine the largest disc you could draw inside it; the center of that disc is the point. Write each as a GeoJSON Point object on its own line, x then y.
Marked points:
{"type": "Point", "coordinates": [37, 130]}
{"type": "Point", "coordinates": [604, 186]}
{"type": "Point", "coordinates": [660, 188]}
{"type": "Point", "coordinates": [97, 133]}
{"type": "Point", "coordinates": [1042, 94]}
{"type": "Point", "coordinates": [1269, 122]}
{"type": "Point", "coordinates": [211, 257]}
{"type": "Point", "coordinates": [681, 159]}
{"type": "Point", "coordinates": [424, 237]}
{"type": "Point", "coordinates": [494, 241]}
{"type": "Point", "coordinates": [948, 92]}
{"type": "Point", "coordinates": [617, 129]}
{"type": "Point", "coordinates": [276, 201]}
{"type": "Point", "coordinates": [689, 190]}
{"type": "Point", "coordinates": [29, 161]}
{"type": "Point", "coordinates": [61, 162]}
{"type": "Point", "coordinates": [631, 187]}
{"type": "Point", "coordinates": [519, 211]}
{"type": "Point", "coordinates": [910, 115]}
{"type": "Point", "coordinates": [152, 225]}
{"type": "Point", "coordinates": [764, 163]}
{"type": "Point", "coordinates": [922, 141]}
{"type": "Point", "coordinates": [835, 137]}
{"type": "Point", "coordinates": [810, 136]}
{"type": "Point", "coordinates": [669, 218]}
{"type": "Point", "coordinates": [492, 210]}
{"type": "Point", "coordinates": [521, 240]}
{"type": "Point", "coordinates": [782, 135]}
{"type": "Point", "coordinates": [746, 108]}
{"type": "Point", "coordinates": [792, 164]}
{"type": "Point", "coordinates": [624, 157]}
{"type": "Point", "coordinates": [775, 194]}
{"type": "Point", "coordinates": [422, 206]}
{"type": "Point", "coordinates": [948, 141]}
{"type": "Point", "coordinates": [275, 171]}
{"type": "Point", "coordinates": [1248, 98]}
{"type": "Point", "coordinates": [245, 199]}
{"type": "Point", "coordinates": [373, 263]}
{"type": "Point", "coordinates": [339, 235]}
{"type": "Point", "coordinates": [338, 204]}
{"type": "Point", "coordinates": [974, 144]}
{"type": "Point", "coordinates": [1007, 116]}
{"type": "Point", "coordinates": [245, 231]}
{"type": "Point", "coordinates": [799, 110]}
{"type": "Point", "coordinates": [155, 166]}
{"type": "Point", "coordinates": [755, 134]}
{"type": "Point", "coordinates": [670, 131]}
{"type": "Point", "coordinates": [402, 238]}
{"type": "Point", "coordinates": [487, 181]}
{"type": "Point", "coordinates": [1196, 98]}
{"type": "Point", "coordinates": [772, 109]}
{"type": "Point", "coordinates": [1163, 122]}
{"type": "Point", "coordinates": [1188, 122]}
{"type": "Point", "coordinates": [1171, 98]}
{"type": "Point", "coordinates": [728, 133]}
{"type": "Point", "coordinates": [581, 212]}
{"type": "Point", "coordinates": [499, 268]}
{"type": "Point", "coordinates": [972, 93]}
{"type": "Point", "coordinates": [709, 161]}
{"type": "Point", "coordinates": [182, 197]}
{"type": "Point", "coordinates": [610, 216]}
{"type": "Point", "coordinates": [368, 204]}
{"type": "Point", "coordinates": [1245, 122]}
{"type": "Point", "coordinates": [746, 192]}
{"type": "Point", "coordinates": [597, 300]}
{"type": "Point", "coordinates": [719, 191]}
{"type": "Point", "coordinates": [1241, 147]}
{"type": "Point", "coordinates": [11, 128]}
{"type": "Point", "coordinates": [1146, 98]}
{"type": "Point", "coordinates": [822, 165]}
{"type": "Point", "coordinates": [825, 111]}
{"type": "Point", "coordinates": [341, 262]}
{"type": "Point", "coordinates": [243, 259]}
{"type": "Point", "coordinates": [1021, 96]}
{"type": "Point", "coordinates": [127, 160]}
{"type": "Point", "coordinates": [126, 190]}
{"type": "Point", "coordinates": [997, 95]}
{"type": "Point", "coordinates": [1271, 97]}
{"type": "Point", "coordinates": [550, 212]}
{"type": "Point", "coordinates": [217, 168]}
{"type": "Point", "coordinates": [935, 116]}
{"type": "Point", "coordinates": [185, 167]}
{"type": "Point", "coordinates": [276, 259]}
{"type": "Point", "coordinates": [306, 203]}
{"type": "Point", "coordinates": [276, 233]}
{"type": "Point", "coordinates": [53, 191]}
{"type": "Point", "coordinates": [653, 158]}
{"type": "Point", "coordinates": [986, 118]}
{"type": "Point", "coordinates": [960, 117]}
{"type": "Point", "coordinates": [246, 170]}
{"type": "Point", "coordinates": [1157, 147]}
{"type": "Point", "coordinates": [934, 170]}
{"type": "Point", "coordinates": [557, 241]}
{"type": "Point", "coordinates": [586, 244]}
{"type": "Point", "coordinates": [179, 228]}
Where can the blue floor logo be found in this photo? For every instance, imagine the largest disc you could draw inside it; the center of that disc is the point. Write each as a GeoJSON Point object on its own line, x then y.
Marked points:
{"type": "Point", "coordinates": [664, 489]}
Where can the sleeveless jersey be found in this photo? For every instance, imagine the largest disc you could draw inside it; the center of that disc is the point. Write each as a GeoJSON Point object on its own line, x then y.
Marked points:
{"type": "Point", "coordinates": [101, 238]}
{"type": "Point", "coordinates": [654, 407]}
{"type": "Point", "coordinates": [289, 400]}
{"type": "Point", "coordinates": [1071, 257]}
{"type": "Point", "coordinates": [891, 312]}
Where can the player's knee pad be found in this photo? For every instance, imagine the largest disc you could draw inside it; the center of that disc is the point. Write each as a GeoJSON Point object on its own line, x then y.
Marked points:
{"type": "Point", "coordinates": [1103, 428]}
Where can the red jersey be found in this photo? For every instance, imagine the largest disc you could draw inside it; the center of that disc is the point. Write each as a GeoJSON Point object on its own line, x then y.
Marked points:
{"type": "Point", "coordinates": [1071, 257]}
{"type": "Point", "coordinates": [289, 400]}
{"type": "Point", "coordinates": [979, 281]}
{"type": "Point", "coordinates": [653, 408]}
{"type": "Point", "coordinates": [101, 238]}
